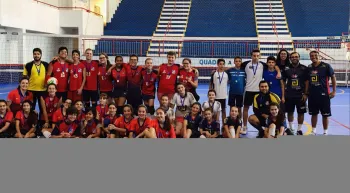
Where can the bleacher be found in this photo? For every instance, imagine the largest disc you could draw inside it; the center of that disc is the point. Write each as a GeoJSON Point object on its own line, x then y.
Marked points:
{"type": "Point", "coordinates": [311, 18]}
{"type": "Point", "coordinates": [135, 18]}
{"type": "Point", "coordinates": [221, 18]}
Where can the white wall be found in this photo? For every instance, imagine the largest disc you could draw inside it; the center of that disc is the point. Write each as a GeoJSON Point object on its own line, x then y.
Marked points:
{"type": "Point", "coordinates": [112, 6]}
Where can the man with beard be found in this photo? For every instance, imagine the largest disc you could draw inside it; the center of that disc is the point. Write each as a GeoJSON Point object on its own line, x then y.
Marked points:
{"type": "Point", "coordinates": [36, 72]}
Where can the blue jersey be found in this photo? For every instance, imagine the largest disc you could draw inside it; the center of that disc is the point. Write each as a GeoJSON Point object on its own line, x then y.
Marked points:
{"type": "Point", "coordinates": [236, 80]}
{"type": "Point", "coordinates": [274, 83]}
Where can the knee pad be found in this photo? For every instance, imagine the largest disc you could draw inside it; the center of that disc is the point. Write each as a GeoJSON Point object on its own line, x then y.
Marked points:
{"type": "Point", "coordinates": [233, 132]}
{"type": "Point", "coordinates": [272, 130]}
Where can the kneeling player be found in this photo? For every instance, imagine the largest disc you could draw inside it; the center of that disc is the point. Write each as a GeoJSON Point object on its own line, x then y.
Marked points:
{"type": "Point", "coordinates": [232, 124]}
{"type": "Point", "coordinates": [276, 123]}
{"type": "Point", "coordinates": [138, 125]}
{"type": "Point", "coordinates": [5, 120]}
{"type": "Point", "coordinates": [122, 124]}
{"type": "Point", "coordinates": [209, 128]}
{"type": "Point", "coordinates": [26, 121]}
{"type": "Point", "coordinates": [91, 127]}
{"type": "Point", "coordinates": [69, 128]}
{"type": "Point", "coordinates": [192, 121]}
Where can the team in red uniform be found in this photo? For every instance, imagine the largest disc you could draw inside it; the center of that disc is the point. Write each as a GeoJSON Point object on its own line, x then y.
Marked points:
{"type": "Point", "coordinates": [149, 78]}
{"type": "Point", "coordinates": [105, 80]}
{"type": "Point", "coordinates": [122, 124]}
{"type": "Point", "coordinates": [134, 77]}
{"type": "Point", "coordinates": [26, 121]}
{"type": "Point", "coordinates": [6, 117]}
{"type": "Point", "coordinates": [167, 74]}
{"type": "Point", "coordinates": [77, 77]}
{"type": "Point", "coordinates": [16, 97]}
{"type": "Point", "coordinates": [138, 125]}
{"type": "Point", "coordinates": [59, 68]}
{"type": "Point", "coordinates": [90, 94]}
{"type": "Point", "coordinates": [189, 77]}
{"type": "Point", "coordinates": [119, 75]}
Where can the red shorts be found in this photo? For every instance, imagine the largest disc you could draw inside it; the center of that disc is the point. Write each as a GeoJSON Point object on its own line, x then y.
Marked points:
{"type": "Point", "coordinates": [73, 95]}
{"type": "Point", "coordinates": [179, 119]}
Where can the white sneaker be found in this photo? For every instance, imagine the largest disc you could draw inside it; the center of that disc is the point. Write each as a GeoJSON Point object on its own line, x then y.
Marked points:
{"type": "Point", "coordinates": [313, 132]}
{"type": "Point", "coordinates": [325, 132]}
{"type": "Point", "coordinates": [244, 131]}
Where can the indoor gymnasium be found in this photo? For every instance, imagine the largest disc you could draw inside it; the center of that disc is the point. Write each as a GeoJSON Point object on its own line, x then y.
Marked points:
{"type": "Point", "coordinates": [210, 59]}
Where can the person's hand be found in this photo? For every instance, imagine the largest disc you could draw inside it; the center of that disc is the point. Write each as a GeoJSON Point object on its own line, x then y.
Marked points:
{"type": "Point", "coordinates": [304, 98]}
{"type": "Point", "coordinates": [90, 136]}
{"type": "Point", "coordinates": [80, 91]}
{"type": "Point", "coordinates": [283, 100]}
{"type": "Point", "coordinates": [55, 58]}
{"type": "Point", "coordinates": [279, 76]}
{"type": "Point", "coordinates": [46, 125]}
{"type": "Point", "coordinates": [20, 135]}
{"type": "Point", "coordinates": [332, 95]}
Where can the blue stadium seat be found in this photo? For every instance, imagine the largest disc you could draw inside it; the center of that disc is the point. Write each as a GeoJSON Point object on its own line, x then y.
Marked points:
{"type": "Point", "coordinates": [221, 18]}
{"type": "Point", "coordinates": [309, 18]}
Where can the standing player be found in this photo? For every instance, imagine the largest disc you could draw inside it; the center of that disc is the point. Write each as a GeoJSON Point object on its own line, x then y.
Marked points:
{"type": "Point", "coordinates": [60, 70]}
{"type": "Point", "coordinates": [218, 82]}
{"type": "Point", "coordinates": [276, 85]}
{"type": "Point", "coordinates": [149, 78]}
{"type": "Point", "coordinates": [319, 92]}
{"type": "Point", "coordinates": [283, 60]}
{"type": "Point", "coordinates": [254, 72]}
{"type": "Point", "coordinates": [237, 83]}
{"type": "Point", "coordinates": [36, 72]}
{"type": "Point", "coordinates": [77, 77]}
{"type": "Point", "coordinates": [105, 80]}
{"type": "Point", "coordinates": [119, 75]}
{"type": "Point", "coordinates": [134, 77]}
{"type": "Point", "coordinates": [90, 93]}
{"type": "Point", "coordinates": [295, 78]}
{"type": "Point", "coordinates": [167, 74]}
{"type": "Point", "coordinates": [189, 77]}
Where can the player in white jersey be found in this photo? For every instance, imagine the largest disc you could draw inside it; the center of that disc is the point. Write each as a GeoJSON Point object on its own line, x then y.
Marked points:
{"type": "Point", "coordinates": [183, 101]}
{"type": "Point", "coordinates": [218, 82]}
{"type": "Point", "coordinates": [254, 74]}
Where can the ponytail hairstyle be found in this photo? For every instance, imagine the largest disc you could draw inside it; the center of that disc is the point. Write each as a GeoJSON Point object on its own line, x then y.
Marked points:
{"type": "Point", "coordinates": [167, 124]}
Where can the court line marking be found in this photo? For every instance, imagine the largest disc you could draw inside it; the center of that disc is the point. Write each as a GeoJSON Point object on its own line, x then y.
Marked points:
{"type": "Point", "coordinates": [341, 91]}
{"type": "Point", "coordinates": [341, 124]}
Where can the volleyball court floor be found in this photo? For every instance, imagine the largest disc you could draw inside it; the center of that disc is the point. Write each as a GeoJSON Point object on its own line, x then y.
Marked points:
{"type": "Point", "coordinates": [339, 123]}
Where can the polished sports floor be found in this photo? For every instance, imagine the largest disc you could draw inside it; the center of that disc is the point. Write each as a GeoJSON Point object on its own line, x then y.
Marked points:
{"type": "Point", "coordinates": [339, 123]}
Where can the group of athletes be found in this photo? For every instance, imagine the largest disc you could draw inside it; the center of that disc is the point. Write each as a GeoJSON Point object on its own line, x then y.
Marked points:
{"type": "Point", "coordinates": [97, 99]}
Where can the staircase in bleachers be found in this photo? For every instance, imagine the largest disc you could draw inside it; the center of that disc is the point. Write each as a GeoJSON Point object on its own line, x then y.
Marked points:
{"type": "Point", "coordinates": [135, 18]}
{"type": "Point", "coordinates": [271, 27]}
{"type": "Point", "coordinates": [171, 28]}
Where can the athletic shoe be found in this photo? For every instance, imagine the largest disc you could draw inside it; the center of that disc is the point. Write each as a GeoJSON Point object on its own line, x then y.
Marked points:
{"type": "Point", "coordinates": [244, 131]}
{"type": "Point", "coordinates": [325, 132]}
{"type": "Point", "coordinates": [300, 132]}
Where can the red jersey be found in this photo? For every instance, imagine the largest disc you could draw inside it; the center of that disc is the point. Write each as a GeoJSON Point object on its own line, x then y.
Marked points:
{"type": "Point", "coordinates": [184, 75]}
{"type": "Point", "coordinates": [61, 73]}
{"type": "Point", "coordinates": [121, 123]}
{"type": "Point", "coordinates": [58, 116]}
{"type": "Point", "coordinates": [81, 117]}
{"type": "Point", "coordinates": [167, 78]}
{"type": "Point", "coordinates": [161, 133]}
{"type": "Point", "coordinates": [134, 76]}
{"type": "Point", "coordinates": [91, 75]}
{"type": "Point", "coordinates": [76, 76]}
{"type": "Point", "coordinates": [105, 81]}
{"type": "Point", "coordinates": [149, 82]}
{"type": "Point", "coordinates": [16, 97]}
{"type": "Point", "coordinates": [102, 111]}
{"type": "Point", "coordinates": [73, 129]}
{"type": "Point", "coordinates": [7, 118]}
{"type": "Point", "coordinates": [136, 128]}
{"type": "Point", "coordinates": [23, 124]}
{"type": "Point", "coordinates": [120, 78]}
{"type": "Point", "coordinates": [91, 128]}
{"type": "Point", "coordinates": [51, 106]}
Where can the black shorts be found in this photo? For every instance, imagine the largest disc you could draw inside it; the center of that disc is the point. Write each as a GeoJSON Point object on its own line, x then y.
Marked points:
{"type": "Point", "coordinates": [147, 97]}
{"type": "Point", "coordinates": [249, 98]}
{"type": "Point", "coordinates": [320, 104]}
{"type": "Point", "coordinates": [235, 100]}
{"type": "Point", "coordinates": [262, 120]}
{"type": "Point", "coordinates": [291, 103]}
{"type": "Point", "coordinates": [117, 93]}
{"type": "Point", "coordinates": [90, 95]}
{"type": "Point", "coordinates": [62, 94]}
{"type": "Point", "coordinates": [222, 102]}
{"type": "Point", "coordinates": [23, 131]}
